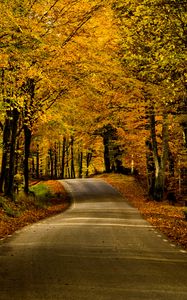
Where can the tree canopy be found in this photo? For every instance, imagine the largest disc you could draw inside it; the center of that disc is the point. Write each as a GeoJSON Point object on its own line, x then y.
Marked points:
{"type": "Point", "coordinates": [88, 86]}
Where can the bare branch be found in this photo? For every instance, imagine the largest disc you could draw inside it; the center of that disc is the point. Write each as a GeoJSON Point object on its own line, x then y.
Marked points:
{"type": "Point", "coordinates": [84, 20]}
{"type": "Point", "coordinates": [46, 13]}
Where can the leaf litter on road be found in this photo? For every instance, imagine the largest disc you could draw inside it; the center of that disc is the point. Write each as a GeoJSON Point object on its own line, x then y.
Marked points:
{"type": "Point", "coordinates": [167, 218]}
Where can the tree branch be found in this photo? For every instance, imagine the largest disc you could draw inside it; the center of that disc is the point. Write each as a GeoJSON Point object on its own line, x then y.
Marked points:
{"type": "Point", "coordinates": [84, 20]}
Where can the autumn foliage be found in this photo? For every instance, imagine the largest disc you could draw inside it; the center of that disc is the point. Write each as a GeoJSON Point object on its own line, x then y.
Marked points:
{"type": "Point", "coordinates": [93, 86]}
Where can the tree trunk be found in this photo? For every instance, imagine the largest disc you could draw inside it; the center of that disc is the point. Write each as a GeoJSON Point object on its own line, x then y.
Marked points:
{"type": "Point", "coordinates": [88, 160]}
{"type": "Point", "coordinates": [72, 158]}
{"type": "Point", "coordinates": [106, 153]}
{"type": "Point", "coordinates": [165, 149]}
{"type": "Point", "coordinates": [55, 162]}
{"type": "Point", "coordinates": [80, 160]}
{"type": "Point", "coordinates": [159, 163]}
{"type": "Point", "coordinates": [150, 168]}
{"type": "Point", "coordinates": [6, 152]}
{"type": "Point", "coordinates": [51, 164]}
{"type": "Point", "coordinates": [27, 135]}
{"type": "Point", "coordinates": [37, 162]}
{"type": "Point", "coordinates": [158, 188]}
{"type": "Point", "coordinates": [17, 157]}
{"type": "Point", "coordinates": [67, 171]}
{"type": "Point", "coordinates": [14, 124]}
{"type": "Point", "coordinates": [63, 157]}
{"type": "Point", "coordinates": [33, 167]}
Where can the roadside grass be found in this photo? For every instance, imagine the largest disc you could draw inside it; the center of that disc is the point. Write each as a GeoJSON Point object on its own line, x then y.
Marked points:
{"type": "Point", "coordinates": [169, 219]}
{"type": "Point", "coordinates": [42, 194]}
{"type": "Point", "coordinates": [45, 199]}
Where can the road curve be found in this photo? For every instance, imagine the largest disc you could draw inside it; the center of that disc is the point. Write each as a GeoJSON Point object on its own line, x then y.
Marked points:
{"type": "Point", "coordinates": [99, 249]}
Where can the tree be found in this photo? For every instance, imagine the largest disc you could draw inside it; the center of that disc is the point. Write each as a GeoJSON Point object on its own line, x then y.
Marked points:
{"type": "Point", "coordinates": [33, 37]}
{"type": "Point", "coordinates": [154, 52]}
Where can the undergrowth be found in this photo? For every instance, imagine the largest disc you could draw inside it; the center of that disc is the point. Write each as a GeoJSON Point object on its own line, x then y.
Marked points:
{"type": "Point", "coordinates": [44, 199]}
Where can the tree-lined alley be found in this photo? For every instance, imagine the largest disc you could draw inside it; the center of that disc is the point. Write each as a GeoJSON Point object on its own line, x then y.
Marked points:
{"type": "Point", "coordinates": [88, 86]}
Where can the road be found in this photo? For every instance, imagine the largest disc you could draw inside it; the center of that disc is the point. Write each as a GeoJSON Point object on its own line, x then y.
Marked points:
{"type": "Point", "coordinates": [99, 249]}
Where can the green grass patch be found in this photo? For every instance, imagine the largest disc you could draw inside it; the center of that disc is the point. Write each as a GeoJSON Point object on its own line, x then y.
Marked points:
{"type": "Point", "coordinates": [41, 193]}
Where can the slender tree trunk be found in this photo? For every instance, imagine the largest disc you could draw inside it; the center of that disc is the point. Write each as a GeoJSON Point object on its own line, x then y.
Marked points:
{"type": "Point", "coordinates": [150, 168]}
{"type": "Point", "coordinates": [27, 135]}
{"type": "Point", "coordinates": [51, 164]}
{"type": "Point", "coordinates": [63, 157]}
{"type": "Point", "coordinates": [67, 171]}
{"type": "Point", "coordinates": [17, 157]}
{"type": "Point", "coordinates": [158, 188]}
{"type": "Point", "coordinates": [29, 88]}
{"type": "Point", "coordinates": [48, 165]}
{"type": "Point", "coordinates": [10, 186]}
{"type": "Point", "coordinates": [6, 152]}
{"type": "Point", "coordinates": [33, 167]}
{"type": "Point", "coordinates": [88, 160]}
{"type": "Point", "coordinates": [80, 160]}
{"type": "Point", "coordinates": [55, 162]}
{"type": "Point", "coordinates": [59, 159]}
{"type": "Point", "coordinates": [6, 136]}
{"type": "Point", "coordinates": [165, 149]}
{"type": "Point", "coordinates": [37, 162]}
{"type": "Point", "coordinates": [106, 153]}
{"type": "Point", "coordinates": [72, 158]}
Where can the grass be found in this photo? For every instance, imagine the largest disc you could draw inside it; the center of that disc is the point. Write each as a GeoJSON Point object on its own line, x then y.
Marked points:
{"type": "Point", "coordinates": [42, 194]}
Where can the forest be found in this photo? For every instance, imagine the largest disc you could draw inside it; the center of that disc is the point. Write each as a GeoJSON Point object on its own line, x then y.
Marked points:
{"type": "Point", "coordinates": [94, 86]}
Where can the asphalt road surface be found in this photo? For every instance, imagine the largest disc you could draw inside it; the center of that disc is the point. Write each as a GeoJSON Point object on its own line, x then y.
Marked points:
{"type": "Point", "coordinates": [99, 249]}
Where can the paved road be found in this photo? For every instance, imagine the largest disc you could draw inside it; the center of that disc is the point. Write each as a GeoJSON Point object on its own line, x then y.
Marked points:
{"type": "Point", "coordinates": [99, 249]}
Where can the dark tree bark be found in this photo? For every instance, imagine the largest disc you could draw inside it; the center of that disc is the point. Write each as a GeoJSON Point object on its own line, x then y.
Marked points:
{"type": "Point", "coordinates": [33, 167]}
{"type": "Point", "coordinates": [72, 158]}
{"type": "Point", "coordinates": [28, 88]}
{"type": "Point", "coordinates": [11, 172]}
{"type": "Point", "coordinates": [109, 135]}
{"type": "Point", "coordinates": [37, 162]}
{"type": "Point", "coordinates": [55, 162]}
{"type": "Point", "coordinates": [67, 170]}
{"type": "Point", "coordinates": [51, 163]}
{"type": "Point", "coordinates": [27, 135]}
{"type": "Point", "coordinates": [17, 157]}
{"type": "Point", "coordinates": [106, 153]}
{"type": "Point", "coordinates": [150, 168]}
{"type": "Point", "coordinates": [6, 152]}
{"type": "Point", "coordinates": [156, 164]}
{"type": "Point", "coordinates": [80, 160]}
{"type": "Point", "coordinates": [88, 160]}
{"type": "Point", "coordinates": [63, 157]}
